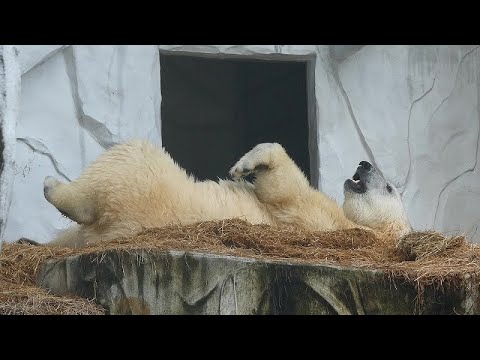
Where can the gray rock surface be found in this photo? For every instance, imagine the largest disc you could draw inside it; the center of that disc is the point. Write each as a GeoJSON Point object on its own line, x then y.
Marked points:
{"type": "Point", "coordinates": [9, 104]}
{"type": "Point", "coordinates": [76, 102]}
{"type": "Point", "coordinates": [425, 135]}
{"type": "Point", "coordinates": [175, 282]}
{"type": "Point", "coordinates": [31, 56]}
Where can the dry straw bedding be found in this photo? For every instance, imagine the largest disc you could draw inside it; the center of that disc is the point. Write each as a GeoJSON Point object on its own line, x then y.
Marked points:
{"type": "Point", "coordinates": [423, 258]}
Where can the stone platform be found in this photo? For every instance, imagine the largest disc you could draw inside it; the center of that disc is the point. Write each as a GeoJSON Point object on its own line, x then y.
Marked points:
{"type": "Point", "coordinates": [177, 282]}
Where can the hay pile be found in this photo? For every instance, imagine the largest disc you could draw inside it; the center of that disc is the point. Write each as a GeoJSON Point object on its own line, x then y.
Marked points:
{"type": "Point", "coordinates": [25, 299]}
{"type": "Point", "coordinates": [423, 258]}
{"type": "Point", "coordinates": [423, 244]}
{"type": "Point", "coordinates": [20, 296]}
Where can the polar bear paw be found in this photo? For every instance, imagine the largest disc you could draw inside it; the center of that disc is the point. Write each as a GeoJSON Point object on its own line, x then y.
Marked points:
{"type": "Point", "coordinates": [257, 159]}
{"type": "Point", "coordinates": [48, 185]}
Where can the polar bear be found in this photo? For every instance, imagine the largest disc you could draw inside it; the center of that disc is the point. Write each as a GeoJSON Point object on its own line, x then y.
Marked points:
{"type": "Point", "coordinates": [136, 185]}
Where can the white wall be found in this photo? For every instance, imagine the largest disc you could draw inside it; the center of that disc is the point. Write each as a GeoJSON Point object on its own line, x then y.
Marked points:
{"type": "Point", "coordinates": [10, 80]}
{"type": "Point", "coordinates": [411, 110]}
{"type": "Point", "coordinates": [418, 109]}
{"type": "Point", "coordinates": [75, 102]}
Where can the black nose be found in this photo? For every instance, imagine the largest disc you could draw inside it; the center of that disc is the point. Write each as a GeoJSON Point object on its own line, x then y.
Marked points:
{"type": "Point", "coordinates": [366, 165]}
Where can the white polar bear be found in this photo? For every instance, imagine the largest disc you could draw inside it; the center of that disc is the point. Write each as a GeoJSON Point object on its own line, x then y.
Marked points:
{"type": "Point", "coordinates": [135, 185]}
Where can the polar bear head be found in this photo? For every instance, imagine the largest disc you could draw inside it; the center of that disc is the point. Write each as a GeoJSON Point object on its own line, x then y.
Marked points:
{"type": "Point", "coordinates": [373, 202]}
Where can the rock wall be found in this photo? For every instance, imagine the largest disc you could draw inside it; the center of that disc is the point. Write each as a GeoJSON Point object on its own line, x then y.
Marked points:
{"type": "Point", "coordinates": [418, 109]}
{"type": "Point", "coordinates": [76, 102]}
{"type": "Point", "coordinates": [9, 104]}
{"type": "Point", "coordinates": [411, 110]}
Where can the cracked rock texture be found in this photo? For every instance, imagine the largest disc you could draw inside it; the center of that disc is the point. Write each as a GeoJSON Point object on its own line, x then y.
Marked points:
{"type": "Point", "coordinates": [174, 282]}
{"type": "Point", "coordinates": [418, 108]}
{"type": "Point", "coordinates": [9, 103]}
{"type": "Point", "coordinates": [411, 110]}
{"type": "Point", "coordinates": [76, 101]}
{"type": "Point", "coordinates": [31, 56]}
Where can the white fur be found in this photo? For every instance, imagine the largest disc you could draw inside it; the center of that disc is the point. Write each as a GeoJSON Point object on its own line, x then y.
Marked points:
{"type": "Point", "coordinates": [135, 185]}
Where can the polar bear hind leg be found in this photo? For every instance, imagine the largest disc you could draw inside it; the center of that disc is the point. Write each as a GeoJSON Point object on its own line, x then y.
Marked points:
{"type": "Point", "coordinates": [72, 203]}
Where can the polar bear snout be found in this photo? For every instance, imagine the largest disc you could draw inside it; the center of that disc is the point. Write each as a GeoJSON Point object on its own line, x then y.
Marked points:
{"type": "Point", "coordinates": [365, 177]}
{"type": "Point", "coordinates": [365, 165]}
{"type": "Point", "coordinates": [365, 172]}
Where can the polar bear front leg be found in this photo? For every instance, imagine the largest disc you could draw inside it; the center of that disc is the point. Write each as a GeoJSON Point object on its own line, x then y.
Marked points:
{"type": "Point", "coordinates": [258, 159]}
{"type": "Point", "coordinates": [277, 178]}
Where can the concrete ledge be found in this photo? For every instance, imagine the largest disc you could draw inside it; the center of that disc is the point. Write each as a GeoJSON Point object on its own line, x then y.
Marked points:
{"type": "Point", "coordinates": [175, 282]}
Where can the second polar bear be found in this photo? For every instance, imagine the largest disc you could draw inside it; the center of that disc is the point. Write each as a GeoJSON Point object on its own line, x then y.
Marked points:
{"type": "Point", "coordinates": [135, 185]}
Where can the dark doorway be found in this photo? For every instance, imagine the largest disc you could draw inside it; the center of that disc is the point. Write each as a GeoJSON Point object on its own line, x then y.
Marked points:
{"type": "Point", "coordinates": [215, 110]}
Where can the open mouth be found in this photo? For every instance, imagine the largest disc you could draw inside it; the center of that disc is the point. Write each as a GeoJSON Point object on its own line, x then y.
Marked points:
{"type": "Point", "coordinates": [356, 184]}
{"type": "Point", "coordinates": [356, 177]}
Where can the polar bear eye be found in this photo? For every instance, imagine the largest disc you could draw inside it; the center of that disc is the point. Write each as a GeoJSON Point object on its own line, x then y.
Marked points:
{"type": "Point", "coordinates": [389, 188]}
